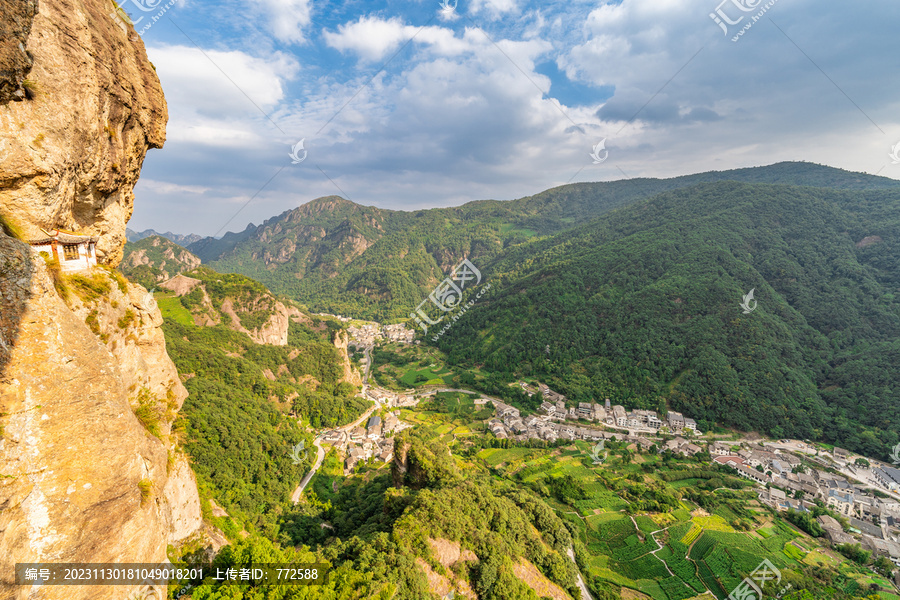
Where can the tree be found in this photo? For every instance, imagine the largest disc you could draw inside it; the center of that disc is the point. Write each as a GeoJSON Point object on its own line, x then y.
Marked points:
{"type": "Point", "coordinates": [884, 566]}
{"type": "Point", "coordinates": [862, 463]}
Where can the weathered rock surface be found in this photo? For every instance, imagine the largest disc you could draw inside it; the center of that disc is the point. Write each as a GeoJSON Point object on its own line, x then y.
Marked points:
{"type": "Point", "coordinates": [15, 61]}
{"type": "Point", "coordinates": [341, 342]}
{"type": "Point", "coordinates": [128, 323]}
{"type": "Point", "coordinates": [72, 451]}
{"type": "Point", "coordinates": [83, 480]}
{"type": "Point", "coordinates": [156, 259]}
{"type": "Point", "coordinates": [70, 156]}
{"type": "Point", "coordinates": [180, 284]}
{"type": "Point", "coordinates": [180, 493]}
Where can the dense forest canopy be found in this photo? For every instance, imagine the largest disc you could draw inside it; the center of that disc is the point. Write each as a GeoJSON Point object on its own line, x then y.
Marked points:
{"type": "Point", "coordinates": [642, 305]}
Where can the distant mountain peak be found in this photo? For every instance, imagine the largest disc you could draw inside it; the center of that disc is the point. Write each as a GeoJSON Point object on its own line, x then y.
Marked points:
{"type": "Point", "coordinates": [181, 240]}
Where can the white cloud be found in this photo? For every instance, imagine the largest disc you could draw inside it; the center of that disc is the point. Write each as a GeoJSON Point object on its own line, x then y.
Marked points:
{"type": "Point", "coordinates": [216, 82]}
{"type": "Point", "coordinates": [371, 38]}
{"type": "Point", "coordinates": [495, 9]}
{"type": "Point", "coordinates": [164, 187]}
{"type": "Point", "coordinates": [217, 98]}
{"type": "Point", "coordinates": [287, 18]}
{"type": "Point", "coordinates": [458, 119]}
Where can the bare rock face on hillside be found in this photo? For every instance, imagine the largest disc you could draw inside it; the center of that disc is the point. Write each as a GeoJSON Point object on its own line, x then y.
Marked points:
{"type": "Point", "coordinates": [74, 135]}
{"type": "Point", "coordinates": [342, 342]}
{"type": "Point", "coordinates": [84, 479]}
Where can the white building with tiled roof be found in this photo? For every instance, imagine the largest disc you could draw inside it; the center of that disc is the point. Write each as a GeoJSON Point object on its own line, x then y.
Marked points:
{"type": "Point", "coordinates": [75, 252]}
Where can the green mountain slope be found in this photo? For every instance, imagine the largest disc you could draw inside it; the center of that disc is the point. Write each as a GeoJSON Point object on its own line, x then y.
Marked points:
{"type": "Point", "coordinates": [461, 514]}
{"type": "Point", "coordinates": [155, 259]}
{"type": "Point", "coordinates": [239, 423]}
{"type": "Point", "coordinates": [337, 256]}
{"type": "Point", "coordinates": [643, 306]}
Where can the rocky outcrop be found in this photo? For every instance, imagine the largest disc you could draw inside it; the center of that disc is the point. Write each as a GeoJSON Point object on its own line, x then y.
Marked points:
{"type": "Point", "coordinates": [180, 493]}
{"type": "Point", "coordinates": [156, 259]}
{"type": "Point", "coordinates": [16, 17]}
{"type": "Point", "coordinates": [275, 330]}
{"type": "Point", "coordinates": [71, 153]}
{"type": "Point", "coordinates": [127, 320]}
{"type": "Point", "coordinates": [342, 342]}
{"type": "Point", "coordinates": [84, 479]}
{"type": "Point", "coordinates": [180, 284]}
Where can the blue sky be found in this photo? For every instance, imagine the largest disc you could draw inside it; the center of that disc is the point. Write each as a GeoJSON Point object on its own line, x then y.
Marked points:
{"type": "Point", "coordinates": [406, 105]}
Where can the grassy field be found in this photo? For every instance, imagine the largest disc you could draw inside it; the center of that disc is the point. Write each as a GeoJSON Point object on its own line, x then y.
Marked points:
{"type": "Point", "coordinates": [430, 375]}
{"type": "Point", "coordinates": [171, 308]}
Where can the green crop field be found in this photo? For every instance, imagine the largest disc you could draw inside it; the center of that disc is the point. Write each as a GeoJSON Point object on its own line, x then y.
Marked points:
{"type": "Point", "coordinates": [695, 550]}
{"type": "Point", "coordinates": [171, 308]}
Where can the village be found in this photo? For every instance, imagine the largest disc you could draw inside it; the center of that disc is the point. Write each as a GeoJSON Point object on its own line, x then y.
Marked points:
{"type": "Point", "coordinates": [375, 440]}
{"type": "Point", "coordinates": [861, 490]}
{"type": "Point", "coordinates": [791, 475]}
{"type": "Point", "coordinates": [369, 333]}
{"type": "Point", "coordinates": [363, 443]}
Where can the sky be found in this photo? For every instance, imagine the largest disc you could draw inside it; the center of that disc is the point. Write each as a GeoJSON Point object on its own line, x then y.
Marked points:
{"type": "Point", "coordinates": [426, 103]}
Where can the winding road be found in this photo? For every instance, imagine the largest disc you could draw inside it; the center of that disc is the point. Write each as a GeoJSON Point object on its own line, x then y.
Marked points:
{"type": "Point", "coordinates": [320, 452]}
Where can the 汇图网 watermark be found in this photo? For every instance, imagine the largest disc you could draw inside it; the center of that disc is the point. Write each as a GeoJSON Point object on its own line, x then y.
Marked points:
{"type": "Point", "coordinates": [298, 453]}
{"type": "Point", "coordinates": [447, 296]}
{"type": "Point", "coordinates": [751, 587]}
{"type": "Point", "coordinates": [146, 6]}
{"type": "Point", "coordinates": [595, 453]}
{"type": "Point", "coordinates": [296, 149]}
{"type": "Point", "coordinates": [749, 304]}
{"type": "Point", "coordinates": [895, 154]}
{"type": "Point", "coordinates": [722, 16]}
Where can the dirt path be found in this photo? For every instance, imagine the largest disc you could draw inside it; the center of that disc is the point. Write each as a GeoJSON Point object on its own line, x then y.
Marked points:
{"type": "Point", "coordinates": [686, 557]}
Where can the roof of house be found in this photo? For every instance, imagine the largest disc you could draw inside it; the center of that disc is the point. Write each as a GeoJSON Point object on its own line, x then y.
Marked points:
{"type": "Point", "coordinates": [891, 473]}
{"type": "Point", "coordinates": [866, 527]}
{"type": "Point", "coordinates": [63, 237]}
{"type": "Point", "coordinates": [829, 522]}
{"type": "Point", "coordinates": [840, 496]}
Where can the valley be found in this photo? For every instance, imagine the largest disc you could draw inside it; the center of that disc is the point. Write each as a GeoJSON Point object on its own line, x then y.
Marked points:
{"type": "Point", "coordinates": [540, 350]}
{"type": "Point", "coordinates": [661, 512]}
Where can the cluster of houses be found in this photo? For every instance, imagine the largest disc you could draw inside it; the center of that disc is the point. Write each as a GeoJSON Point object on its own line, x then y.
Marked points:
{"type": "Point", "coordinates": [554, 406]}
{"type": "Point", "coordinates": [390, 399]}
{"type": "Point", "coordinates": [368, 334]}
{"type": "Point", "coordinates": [371, 441]}
{"type": "Point", "coordinates": [399, 333]}
{"type": "Point", "coordinates": [365, 335]}
{"type": "Point", "coordinates": [509, 424]}
{"type": "Point", "coordinates": [874, 522]}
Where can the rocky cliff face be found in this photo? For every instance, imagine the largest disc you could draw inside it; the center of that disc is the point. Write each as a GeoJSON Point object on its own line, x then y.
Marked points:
{"type": "Point", "coordinates": [154, 260]}
{"type": "Point", "coordinates": [15, 60]}
{"type": "Point", "coordinates": [84, 479]}
{"type": "Point", "coordinates": [341, 342]}
{"type": "Point", "coordinates": [87, 391]}
{"type": "Point", "coordinates": [71, 148]}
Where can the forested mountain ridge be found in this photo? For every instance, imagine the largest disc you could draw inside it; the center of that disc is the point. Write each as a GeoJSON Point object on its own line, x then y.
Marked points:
{"type": "Point", "coordinates": [643, 305]}
{"type": "Point", "coordinates": [337, 256]}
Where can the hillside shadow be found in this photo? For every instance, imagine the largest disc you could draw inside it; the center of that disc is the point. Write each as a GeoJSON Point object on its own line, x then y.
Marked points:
{"type": "Point", "coordinates": [16, 274]}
